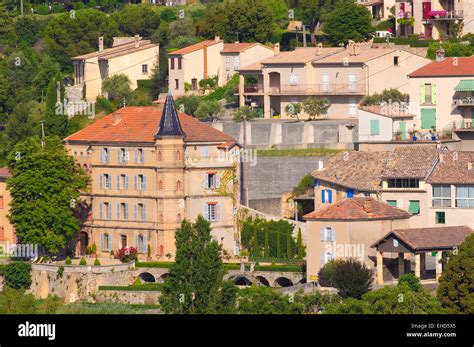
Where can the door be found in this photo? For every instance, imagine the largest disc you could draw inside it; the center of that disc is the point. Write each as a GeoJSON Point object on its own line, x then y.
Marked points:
{"type": "Point", "coordinates": [123, 241]}
{"type": "Point", "coordinates": [428, 118]}
{"type": "Point", "coordinates": [403, 130]}
{"type": "Point", "coordinates": [352, 81]}
{"type": "Point", "coordinates": [194, 84]}
{"type": "Point", "coordinates": [426, 10]}
{"type": "Point", "coordinates": [325, 83]}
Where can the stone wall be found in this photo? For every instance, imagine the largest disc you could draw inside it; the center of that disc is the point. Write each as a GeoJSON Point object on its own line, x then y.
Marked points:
{"type": "Point", "coordinates": [127, 297]}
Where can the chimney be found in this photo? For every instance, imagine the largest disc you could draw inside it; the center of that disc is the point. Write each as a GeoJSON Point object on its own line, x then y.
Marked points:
{"type": "Point", "coordinates": [276, 49]}
{"type": "Point", "coordinates": [101, 43]}
{"type": "Point", "coordinates": [217, 38]}
{"type": "Point", "coordinates": [320, 165]}
{"type": "Point", "coordinates": [440, 54]}
{"type": "Point", "coordinates": [319, 49]}
{"type": "Point", "coordinates": [137, 41]}
{"type": "Point", "coordinates": [117, 117]}
{"type": "Point", "coordinates": [367, 206]}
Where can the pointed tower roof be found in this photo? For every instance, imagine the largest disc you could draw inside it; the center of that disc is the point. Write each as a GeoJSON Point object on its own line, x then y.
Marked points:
{"type": "Point", "coordinates": [169, 123]}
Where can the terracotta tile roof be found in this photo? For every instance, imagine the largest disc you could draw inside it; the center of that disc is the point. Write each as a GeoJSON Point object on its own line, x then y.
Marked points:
{"type": "Point", "coordinates": [251, 67]}
{"type": "Point", "coordinates": [430, 238]}
{"type": "Point", "coordinates": [195, 47]}
{"type": "Point", "coordinates": [140, 124]}
{"type": "Point", "coordinates": [366, 54]}
{"type": "Point", "coordinates": [411, 162]}
{"type": "Point", "coordinates": [4, 172]}
{"type": "Point", "coordinates": [357, 170]}
{"type": "Point", "coordinates": [238, 47]}
{"type": "Point", "coordinates": [300, 55]}
{"type": "Point", "coordinates": [118, 50]}
{"type": "Point", "coordinates": [454, 168]}
{"type": "Point", "coordinates": [112, 55]}
{"type": "Point", "coordinates": [386, 111]}
{"type": "Point", "coordinates": [463, 66]}
{"type": "Point", "coordinates": [358, 208]}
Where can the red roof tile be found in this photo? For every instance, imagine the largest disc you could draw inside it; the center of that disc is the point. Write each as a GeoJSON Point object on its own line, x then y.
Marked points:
{"type": "Point", "coordinates": [140, 124]}
{"type": "Point", "coordinates": [462, 66]}
{"type": "Point", "coordinates": [454, 168]}
{"type": "Point", "coordinates": [237, 47]}
{"type": "Point", "coordinates": [195, 47]}
{"type": "Point", "coordinates": [358, 208]}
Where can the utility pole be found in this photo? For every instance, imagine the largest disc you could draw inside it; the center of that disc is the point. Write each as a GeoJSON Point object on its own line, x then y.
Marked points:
{"type": "Point", "coordinates": [21, 7]}
{"type": "Point", "coordinates": [42, 133]}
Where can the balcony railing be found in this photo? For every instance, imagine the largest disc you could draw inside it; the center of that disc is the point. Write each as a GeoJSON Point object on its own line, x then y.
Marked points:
{"type": "Point", "coordinates": [318, 89]}
{"type": "Point", "coordinates": [443, 15]}
{"type": "Point", "coordinates": [464, 101]}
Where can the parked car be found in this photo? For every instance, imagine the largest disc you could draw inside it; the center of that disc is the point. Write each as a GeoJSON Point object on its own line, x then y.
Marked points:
{"type": "Point", "coordinates": [383, 33]}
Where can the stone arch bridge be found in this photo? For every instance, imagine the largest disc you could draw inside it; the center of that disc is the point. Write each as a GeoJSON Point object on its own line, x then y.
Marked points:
{"type": "Point", "coordinates": [239, 277]}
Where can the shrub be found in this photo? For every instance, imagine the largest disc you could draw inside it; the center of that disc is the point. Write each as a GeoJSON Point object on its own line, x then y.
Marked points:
{"type": "Point", "coordinates": [352, 278]}
{"type": "Point", "coordinates": [82, 262]}
{"type": "Point", "coordinates": [126, 255]}
{"type": "Point", "coordinates": [15, 301]}
{"type": "Point", "coordinates": [97, 262]}
{"type": "Point", "coordinates": [18, 275]}
{"type": "Point", "coordinates": [325, 274]}
{"type": "Point", "coordinates": [411, 281]}
{"type": "Point", "coordinates": [68, 261]}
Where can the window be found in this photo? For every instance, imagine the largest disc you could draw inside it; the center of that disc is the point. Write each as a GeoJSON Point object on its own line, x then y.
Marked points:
{"type": "Point", "coordinates": [349, 193]}
{"type": "Point", "coordinates": [227, 63]}
{"type": "Point", "coordinates": [124, 180]}
{"type": "Point", "coordinates": [144, 69]}
{"type": "Point", "coordinates": [465, 196]}
{"type": "Point", "coordinates": [204, 151]}
{"type": "Point", "coordinates": [172, 63]}
{"type": "Point", "coordinates": [212, 211]}
{"type": "Point", "coordinates": [212, 181]}
{"type": "Point", "coordinates": [328, 234]}
{"type": "Point", "coordinates": [326, 196]}
{"type": "Point", "coordinates": [176, 84]}
{"type": "Point", "coordinates": [107, 179]}
{"type": "Point", "coordinates": [123, 211]}
{"type": "Point", "coordinates": [395, 60]}
{"type": "Point", "coordinates": [140, 156]}
{"type": "Point", "coordinates": [141, 212]}
{"type": "Point", "coordinates": [178, 185]}
{"type": "Point", "coordinates": [441, 196]}
{"type": "Point", "coordinates": [105, 211]}
{"type": "Point", "coordinates": [105, 155]}
{"type": "Point", "coordinates": [236, 62]}
{"type": "Point", "coordinates": [141, 182]}
{"type": "Point", "coordinates": [392, 203]}
{"type": "Point", "coordinates": [1, 202]}
{"type": "Point", "coordinates": [428, 99]}
{"type": "Point", "coordinates": [326, 257]}
{"type": "Point", "coordinates": [374, 127]}
{"type": "Point", "coordinates": [106, 242]}
{"type": "Point", "coordinates": [352, 106]}
{"type": "Point", "coordinates": [141, 243]}
{"type": "Point", "coordinates": [123, 155]}
{"type": "Point", "coordinates": [180, 63]}
{"type": "Point", "coordinates": [403, 183]}
{"type": "Point", "coordinates": [440, 217]}
{"type": "Point", "coordinates": [414, 207]}
{"type": "Point", "coordinates": [293, 78]}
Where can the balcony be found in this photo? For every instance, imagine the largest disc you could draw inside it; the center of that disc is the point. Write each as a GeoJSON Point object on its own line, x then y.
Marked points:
{"type": "Point", "coordinates": [464, 101]}
{"type": "Point", "coordinates": [443, 15]}
{"type": "Point", "coordinates": [251, 89]}
{"type": "Point", "coordinates": [319, 89]}
{"type": "Point", "coordinates": [226, 159]}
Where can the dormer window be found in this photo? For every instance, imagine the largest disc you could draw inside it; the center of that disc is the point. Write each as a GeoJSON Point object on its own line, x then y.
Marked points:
{"type": "Point", "coordinates": [403, 183]}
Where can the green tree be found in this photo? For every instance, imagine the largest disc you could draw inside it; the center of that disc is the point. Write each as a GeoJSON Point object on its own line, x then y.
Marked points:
{"type": "Point", "coordinates": [293, 109]}
{"type": "Point", "coordinates": [264, 300]}
{"type": "Point", "coordinates": [451, 49]}
{"type": "Point", "coordinates": [247, 21]}
{"type": "Point", "coordinates": [14, 301]}
{"type": "Point", "coordinates": [313, 12]}
{"type": "Point", "coordinates": [20, 124]}
{"type": "Point", "coordinates": [140, 20]}
{"type": "Point", "coordinates": [45, 187]}
{"type": "Point", "coordinates": [351, 277]}
{"type": "Point", "coordinates": [194, 284]}
{"type": "Point", "coordinates": [457, 280]}
{"type": "Point", "coordinates": [18, 275]}
{"type": "Point", "coordinates": [300, 245]}
{"type": "Point", "coordinates": [55, 120]}
{"type": "Point", "coordinates": [349, 21]}
{"type": "Point", "coordinates": [316, 107]}
{"type": "Point", "coordinates": [210, 110]}
{"type": "Point", "coordinates": [188, 104]}
{"type": "Point", "coordinates": [117, 88]}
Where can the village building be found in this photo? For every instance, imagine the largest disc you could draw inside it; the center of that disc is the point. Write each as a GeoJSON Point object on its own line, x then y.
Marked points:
{"type": "Point", "coordinates": [341, 75]}
{"type": "Point", "coordinates": [210, 59]}
{"type": "Point", "coordinates": [151, 168]}
{"type": "Point", "coordinates": [7, 231]}
{"type": "Point", "coordinates": [131, 56]}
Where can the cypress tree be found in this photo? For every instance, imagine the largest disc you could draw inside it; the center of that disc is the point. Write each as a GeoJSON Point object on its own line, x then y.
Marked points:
{"type": "Point", "coordinates": [301, 247]}
{"type": "Point", "coordinates": [56, 123]}
{"type": "Point", "coordinates": [266, 250]}
{"type": "Point", "coordinates": [288, 245]}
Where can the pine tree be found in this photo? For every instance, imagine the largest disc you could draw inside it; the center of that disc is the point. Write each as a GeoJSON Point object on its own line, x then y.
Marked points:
{"type": "Point", "coordinates": [20, 125]}
{"type": "Point", "coordinates": [194, 283]}
{"type": "Point", "coordinates": [56, 123]}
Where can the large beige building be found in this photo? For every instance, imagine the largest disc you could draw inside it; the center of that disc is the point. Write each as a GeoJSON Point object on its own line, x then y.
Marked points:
{"type": "Point", "coordinates": [341, 75]}
{"type": "Point", "coordinates": [130, 56]}
{"type": "Point", "coordinates": [435, 19]}
{"type": "Point", "coordinates": [7, 232]}
{"type": "Point", "coordinates": [211, 58]}
{"type": "Point", "coordinates": [150, 169]}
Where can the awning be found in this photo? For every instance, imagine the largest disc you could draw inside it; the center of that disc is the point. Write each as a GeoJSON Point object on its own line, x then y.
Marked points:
{"type": "Point", "coordinates": [465, 86]}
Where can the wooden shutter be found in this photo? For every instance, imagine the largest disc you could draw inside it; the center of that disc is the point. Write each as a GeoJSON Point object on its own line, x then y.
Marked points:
{"type": "Point", "coordinates": [218, 181]}
{"type": "Point", "coordinates": [433, 93]}
{"type": "Point", "coordinates": [422, 93]}
{"type": "Point", "coordinates": [145, 243]}
{"type": "Point", "coordinates": [322, 259]}
{"type": "Point", "coordinates": [109, 212]}
{"type": "Point", "coordinates": [323, 195]}
{"type": "Point", "coordinates": [135, 212]}
{"type": "Point", "coordinates": [126, 182]}
{"type": "Point", "coordinates": [144, 182]}
{"type": "Point", "coordinates": [322, 232]}
{"type": "Point", "coordinates": [119, 158]}
{"type": "Point", "coordinates": [329, 196]}
{"type": "Point", "coordinates": [218, 212]}
{"type": "Point", "coordinates": [102, 242]}
{"type": "Point", "coordinates": [118, 182]}
{"type": "Point", "coordinates": [110, 241]}
{"type": "Point", "coordinates": [135, 182]}
{"type": "Point", "coordinates": [137, 242]}
{"type": "Point", "coordinates": [101, 210]}
{"type": "Point", "coordinates": [205, 213]}
{"type": "Point", "coordinates": [117, 205]}
{"type": "Point", "coordinates": [333, 234]}
{"type": "Point", "coordinates": [126, 211]}
{"type": "Point", "coordinates": [144, 212]}
{"type": "Point", "coordinates": [206, 181]}
{"type": "Point", "coordinates": [136, 155]}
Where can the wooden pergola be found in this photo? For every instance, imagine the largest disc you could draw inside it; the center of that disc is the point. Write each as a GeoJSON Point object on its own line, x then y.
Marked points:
{"type": "Point", "coordinates": [418, 242]}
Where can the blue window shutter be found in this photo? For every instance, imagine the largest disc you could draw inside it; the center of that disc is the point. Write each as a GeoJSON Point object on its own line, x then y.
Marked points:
{"type": "Point", "coordinates": [135, 182]}
{"type": "Point", "coordinates": [145, 244]}
{"type": "Point", "coordinates": [110, 241]}
{"type": "Point", "coordinates": [350, 193]}
{"type": "Point", "coordinates": [322, 232]}
{"type": "Point", "coordinates": [126, 182]}
{"type": "Point", "coordinates": [136, 242]}
{"type": "Point", "coordinates": [135, 212]}
{"type": "Point", "coordinates": [218, 181]}
{"type": "Point", "coordinates": [218, 212]}
{"type": "Point", "coordinates": [118, 182]}
{"type": "Point", "coordinates": [144, 212]}
{"type": "Point", "coordinates": [206, 181]}
{"type": "Point", "coordinates": [117, 205]}
{"type": "Point", "coordinates": [142, 158]}
{"type": "Point", "coordinates": [102, 242]}
{"type": "Point", "coordinates": [102, 155]}
{"type": "Point", "coordinates": [101, 207]}
{"type": "Point", "coordinates": [101, 177]}
{"type": "Point", "coordinates": [315, 184]}
{"type": "Point", "coordinates": [144, 182]}
{"type": "Point", "coordinates": [330, 196]}
{"type": "Point", "coordinates": [110, 154]}
{"type": "Point", "coordinates": [323, 195]}
{"type": "Point", "coordinates": [119, 160]}
{"type": "Point", "coordinates": [333, 234]}
{"type": "Point", "coordinates": [126, 211]}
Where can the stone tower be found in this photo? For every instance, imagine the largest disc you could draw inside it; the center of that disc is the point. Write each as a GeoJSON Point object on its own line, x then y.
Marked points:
{"type": "Point", "coordinates": [170, 151]}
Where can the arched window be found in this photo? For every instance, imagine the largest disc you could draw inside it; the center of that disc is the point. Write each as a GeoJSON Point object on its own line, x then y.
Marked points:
{"type": "Point", "coordinates": [75, 153]}
{"type": "Point", "coordinates": [179, 218]}
{"type": "Point", "coordinates": [84, 167]}
{"type": "Point", "coordinates": [178, 185]}
{"type": "Point", "coordinates": [82, 154]}
{"type": "Point", "coordinates": [178, 155]}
